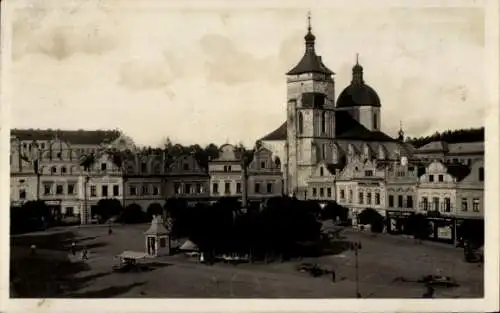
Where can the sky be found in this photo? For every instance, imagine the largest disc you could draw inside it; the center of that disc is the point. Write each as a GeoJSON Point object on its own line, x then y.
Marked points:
{"type": "Point", "coordinates": [218, 75]}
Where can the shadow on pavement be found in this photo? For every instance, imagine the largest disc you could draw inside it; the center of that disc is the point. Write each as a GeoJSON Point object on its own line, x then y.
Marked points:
{"type": "Point", "coordinates": [108, 292]}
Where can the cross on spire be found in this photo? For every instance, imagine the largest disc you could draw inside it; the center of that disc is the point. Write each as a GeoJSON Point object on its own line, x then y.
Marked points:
{"type": "Point", "coordinates": [309, 21]}
{"type": "Point", "coordinates": [357, 58]}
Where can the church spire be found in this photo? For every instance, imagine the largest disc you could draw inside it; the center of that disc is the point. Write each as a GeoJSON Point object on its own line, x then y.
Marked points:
{"type": "Point", "coordinates": [357, 73]}
{"type": "Point", "coordinates": [401, 133]}
{"type": "Point", "coordinates": [309, 38]}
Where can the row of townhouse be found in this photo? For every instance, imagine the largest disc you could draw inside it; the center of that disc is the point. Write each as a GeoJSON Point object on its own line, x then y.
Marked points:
{"type": "Point", "coordinates": [50, 166]}
{"type": "Point", "coordinates": [397, 190]}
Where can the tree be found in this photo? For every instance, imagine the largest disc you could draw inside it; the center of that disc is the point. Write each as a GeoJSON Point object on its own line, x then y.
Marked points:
{"type": "Point", "coordinates": [333, 211]}
{"type": "Point", "coordinates": [31, 216]}
{"type": "Point", "coordinates": [418, 226]}
{"type": "Point", "coordinates": [154, 209]}
{"type": "Point", "coordinates": [373, 218]}
{"type": "Point", "coordinates": [133, 214]}
{"type": "Point", "coordinates": [107, 208]}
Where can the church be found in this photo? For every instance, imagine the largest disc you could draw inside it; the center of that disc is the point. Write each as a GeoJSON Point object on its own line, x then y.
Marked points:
{"type": "Point", "coordinates": [323, 129]}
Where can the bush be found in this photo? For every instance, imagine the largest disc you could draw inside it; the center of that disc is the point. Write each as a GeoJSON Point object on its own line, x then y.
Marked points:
{"type": "Point", "coordinates": [333, 211]}
{"type": "Point", "coordinates": [107, 208]}
{"type": "Point", "coordinates": [133, 214]}
{"type": "Point", "coordinates": [417, 225]}
{"type": "Point", "coordinates": [373, 218]}
{"type": "Point", "coordinates": [31, 216]}
{"type": "Point", "coordinates": [154, 209]}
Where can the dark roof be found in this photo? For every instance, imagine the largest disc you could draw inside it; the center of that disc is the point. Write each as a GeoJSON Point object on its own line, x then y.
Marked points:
{"type": "Point", "coordinates": [459, 171]}
{"type": "Point", "coordinates": [346, 127]}
{"type": "Point", "coordinates": [277, 134]}
{"type": "Point", "coordinates": [82, 137]}
{"type": "Point", "coordinates": [358, 95]}
{"type": "Point", "coordinates": [310, 62]}
{"type": "Point", "coordinates": [333, 167]}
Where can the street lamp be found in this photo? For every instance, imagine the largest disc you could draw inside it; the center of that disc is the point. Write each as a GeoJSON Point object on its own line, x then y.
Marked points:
{"type": "Point", "coordinates": [356, 246]}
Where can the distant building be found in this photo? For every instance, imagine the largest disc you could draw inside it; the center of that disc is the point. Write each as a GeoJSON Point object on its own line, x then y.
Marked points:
{"type": "Point", "coordinates": [321, 184]}
{"type": "Point", "coordinates": [464, 153]}
{"type": "Point", "coordinates": [265, 179]}
{"type": "Point", "coordinates": [46, 165]}
{"type": "Point", "coordinates": [226, 173]}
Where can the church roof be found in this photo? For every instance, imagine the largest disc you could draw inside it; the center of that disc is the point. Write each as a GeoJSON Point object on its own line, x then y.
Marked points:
{"type": "Point", "coordinates": [346, 127]}
{"type": "Point", "coordinates": [358, 95]}
{"type": "Point", "coordinates": [310, 63]}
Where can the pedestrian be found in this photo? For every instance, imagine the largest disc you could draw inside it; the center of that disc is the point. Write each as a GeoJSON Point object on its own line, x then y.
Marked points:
{"type": "Point", "coordinates": [110, 231]}
{"type": "Point", "coordinates": [73, 248]}
{"type": "Point", "coordinates": [333, 276]}
{"type": "Point", "coordinates": [33, 249]}
{"type": "Point", "coordinates": [84, 254]}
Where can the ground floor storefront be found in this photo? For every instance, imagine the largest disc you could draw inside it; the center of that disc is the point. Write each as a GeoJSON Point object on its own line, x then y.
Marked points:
{"type": "Point", "coordinates": [397, 222]}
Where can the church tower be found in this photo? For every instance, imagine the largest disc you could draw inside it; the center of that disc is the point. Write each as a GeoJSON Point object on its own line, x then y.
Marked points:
{"type": "Point", "coordinates": [310, 117]}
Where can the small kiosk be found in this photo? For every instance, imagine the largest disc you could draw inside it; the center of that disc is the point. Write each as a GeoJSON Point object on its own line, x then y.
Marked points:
{"type": "Point", "coordinates": [157, 238]}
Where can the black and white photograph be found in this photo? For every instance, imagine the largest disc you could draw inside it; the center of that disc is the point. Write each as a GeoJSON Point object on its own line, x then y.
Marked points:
{"type": "Point", "coordinates": [237, 150]}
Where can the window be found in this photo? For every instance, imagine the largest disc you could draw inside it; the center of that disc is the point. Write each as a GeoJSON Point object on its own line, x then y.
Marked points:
{"type": "Point", "coordinates": [262, 164]}
{"type": "Point", "coordinates": [321, 192]}
{"type": "Point", "coordinates": [464, 205]}
{"type": "Point", "coordinates": [144, 167]}
{"type": "Point", "coordinates": [391, 201]}
{"type": "Point", "coordinates": [369, 198]}
{"type": "Point", "coordinates": [71, 189]}
{"type": "Point", "coordinates": [431, 178]}
{"type": "Point", "coordinates": [22, 194]}
{"type": "Point", "coordinates": [163, 242]}
{"type": "Point", "coordinates": [368, 173]}
{"type": "Point", "coordinates": [455, 160]}
{"type": "Point", "coordinates": [377, 198]}
{"type": "Point", "coordinates": [229, 168]}
{"type": "Point", "coordinates": [342, 194]}
{"type": "Point", "coordinates": [133, 190]}
{"type": "Point", "coordinates": [215, 188]}
{"type": "Point", "coordinates": [435, 203]}
{"type": "Point", "coordinates": [93, 191]}
{"type": "Point", "coordinates": [116, 190]}
{"type": "Point", "coordinates": [321, 171]}
{"type": "Point", "coordinates": [375, 122]}
{"type": "Point", "coordinates": [238, 187]}
{"type": "Point", "coordinates": [440, 178]}
{"type": "Point", "coordinates": [323, 151]}
{"type": "Point", "coordinates": [409, 202]}
{"type": "Point", "coordinates": [25, 146]}
{"type": "Point", "coordinates": [59, 155]}
{"type": "Point", "coordinates": [329, 192]}
{"type": "Point", "coordinates": [475, 204]}
{"type": "Point", "coordinates": [103, 166]}
{"type": "Point", "coordinates": [400, 201]}
{"type": "Point", "coordinates": [361, 200]}
{"type": "Point", "coordinates": [481, 174]}
{"type": "Point", "coordinates": [185, 166]}
{"type": "Point", "coordinates": [104, 191]}
{"type": "Point", "coordinates": [59, 189]}
{"type": "Point", "coordinates": [269, 188]}
{"type": "Point", "coordinates": [70, 211]}
{"type": "Point", "coordinates": [145, 190]}
{"type": "Point", "coordinates": [425, 204]}
{"type": "Point", "coordinates": [198, 188]}
{"type": "Point", "coordinates": [447, 204]}
{"type": "Point", "coordinates": [42, 145]}
{"type": "Point", "coordinates": [315, 192]}
{"type": "Point", "coordinates": [227, 188]}
{"type": "Point", "coordinates": [300, 121]}
{"type": "Point", "coordinates": [350, 196]}
{"type": "Point", "coordinates": [47, 189]}
{"type": "Point", "coordinates": [63, 170]}
{"type": "Point", "coordinates": [323, 122]}
{"type": "Point", "coordinates": [53, 170]}
{"type": "Point", "coordinates": [156, 190]}
{"type": "Point", "coordinates": [187, 189]}
{"type": "Point", "coordinates": [257, 188]}
{"type": "Point", "coordinates": [177, 188]}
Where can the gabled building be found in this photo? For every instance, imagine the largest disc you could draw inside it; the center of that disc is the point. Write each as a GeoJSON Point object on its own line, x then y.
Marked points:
{"type": "Point", "coordinates": [361, 185]}
{"type": "Point", "coordinates": [265, 179]}
{"type": "Point", "coordinates": [226, 173]}
{"type": "Point", "coordinates": [321, 184]}
{"type": "Point", "coordinates": [144, 178]}
{"type": "Point", "coordinates": [401, 183]}
{"type": "Point", "coordinates": [187, 179]}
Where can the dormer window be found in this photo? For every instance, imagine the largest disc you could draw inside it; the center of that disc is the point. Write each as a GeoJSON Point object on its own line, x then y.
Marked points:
{"type": "Point", "coordinates": [53, 170]}
{"type": "Point", "coordinates": [368, 173]}
{"type": "Point", "coordinates": [262, 164]}
{"type": "Point", "coordinates": [321, 171]}
{"type": "Point", "coordinates": [103, 166]}
{"type": "Point", "coordinates": [185, 166]}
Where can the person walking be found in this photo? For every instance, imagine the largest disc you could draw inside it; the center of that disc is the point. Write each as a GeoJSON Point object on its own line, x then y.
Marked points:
{"type": "Point", "coordinates": [33, 249]}
{"type": "Point", "coordinates": [333, 276]}
{"type": "Point", "coordinates": [110, 231]}
{"type": "Point", "coordinates": [73, 248]}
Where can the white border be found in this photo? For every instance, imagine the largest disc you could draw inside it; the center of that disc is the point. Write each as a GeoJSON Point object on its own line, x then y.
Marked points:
{"type": "Point", "coordinates": [488, 304]}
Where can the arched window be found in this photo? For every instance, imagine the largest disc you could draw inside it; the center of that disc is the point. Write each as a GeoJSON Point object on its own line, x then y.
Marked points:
{"type": "Point", "coordinates": [323, 122]}
{"type": "Point", "coordinates": [375, 121]}
{"type": "Point", "coordinates": [301, 123]}
{"type": "Point", "coordinates": [53, 170]}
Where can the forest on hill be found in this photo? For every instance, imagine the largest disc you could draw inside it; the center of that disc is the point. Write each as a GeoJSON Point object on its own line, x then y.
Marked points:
{"type": "Point", "coordinates": [449, 136]}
